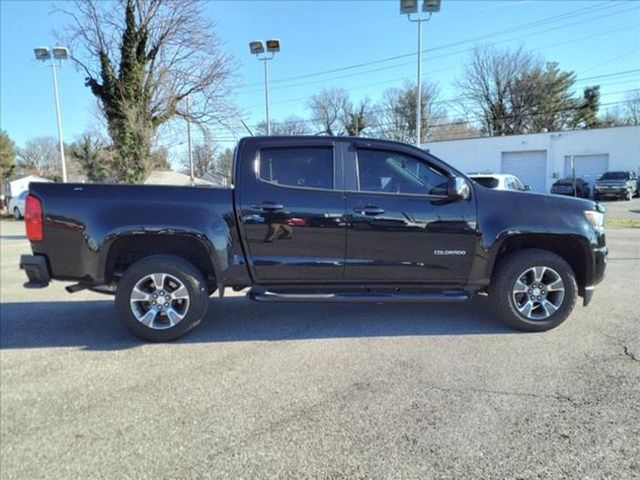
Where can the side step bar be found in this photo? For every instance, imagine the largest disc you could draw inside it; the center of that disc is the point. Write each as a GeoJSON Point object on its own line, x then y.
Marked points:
{"type": "Point", "coordinates": [266, 296]}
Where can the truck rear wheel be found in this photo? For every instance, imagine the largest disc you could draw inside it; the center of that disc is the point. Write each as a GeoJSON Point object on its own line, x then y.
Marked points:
{"type": "Point", "coordinates": [161, 297]}
{"type": "Point", "coordinates": [533, 290]}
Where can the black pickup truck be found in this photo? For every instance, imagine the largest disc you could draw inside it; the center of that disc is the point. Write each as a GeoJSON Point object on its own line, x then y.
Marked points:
{"type": "Point", "coordinates": [317, 219]}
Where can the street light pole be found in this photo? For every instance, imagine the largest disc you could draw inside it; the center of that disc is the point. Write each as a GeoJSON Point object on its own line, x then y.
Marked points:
{"type": "Point", "coordinates": [266, 92]}
{"type": "Point", "coordinates": [258, 49]}
{"type": "Point", "coordinates": [410, 7]}
{"type": "Point", "coordinates": [59, 122]}
{"type": "Point", "coordinates": [54, 54]}
{"type": "Point", "coordinates": [419, 88]}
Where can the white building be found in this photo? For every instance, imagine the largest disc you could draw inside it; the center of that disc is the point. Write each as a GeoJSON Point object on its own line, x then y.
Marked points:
{"type": "Point", "coordinates": [539, 159]}
{"type": "Point", "coordinates": [14, 187]}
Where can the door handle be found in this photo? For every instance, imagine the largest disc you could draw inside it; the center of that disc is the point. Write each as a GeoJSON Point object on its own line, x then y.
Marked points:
{"type": "Point", "coordinates": [369, 210]}
{"type": "Point", "coordinates": [267, 206]}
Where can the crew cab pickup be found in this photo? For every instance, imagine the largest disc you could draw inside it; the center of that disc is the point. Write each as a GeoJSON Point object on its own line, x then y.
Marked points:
{"type": "Point", "coordinates": [317, 219]}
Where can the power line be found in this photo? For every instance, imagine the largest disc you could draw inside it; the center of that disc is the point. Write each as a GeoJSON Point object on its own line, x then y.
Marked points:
{"type": "Point", "coordinates": [431, 72]}
{"type": "Point", "coordinates": [519, 28]}
{"type": "Point", "coordinates": [349, 90]}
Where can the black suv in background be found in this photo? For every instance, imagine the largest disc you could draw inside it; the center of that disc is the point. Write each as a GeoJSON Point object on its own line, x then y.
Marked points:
{"type": "Point", "coordinates": [623, 185]}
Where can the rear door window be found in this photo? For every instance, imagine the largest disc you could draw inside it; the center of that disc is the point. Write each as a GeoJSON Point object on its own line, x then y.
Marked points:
{"type": "Point", "coordinates": [310, 167]}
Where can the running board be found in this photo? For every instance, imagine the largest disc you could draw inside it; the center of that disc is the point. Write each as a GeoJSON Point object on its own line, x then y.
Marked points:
{"type": "Point", "coordinates": [260, 295]}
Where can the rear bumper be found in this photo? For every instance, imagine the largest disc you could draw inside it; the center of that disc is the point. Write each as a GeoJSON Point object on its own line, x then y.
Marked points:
{"type": "Point", "coordinates": [37, 270]}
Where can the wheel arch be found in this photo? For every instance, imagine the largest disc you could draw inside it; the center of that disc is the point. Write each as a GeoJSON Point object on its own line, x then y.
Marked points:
{"type": "Point", "coordinates": [128, 248]}
{"type": "Point", "coordinates": [573, 249]}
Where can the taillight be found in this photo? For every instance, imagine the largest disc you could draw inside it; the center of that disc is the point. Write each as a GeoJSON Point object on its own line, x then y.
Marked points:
{"type": "Point", "coordinates": [33, 218]}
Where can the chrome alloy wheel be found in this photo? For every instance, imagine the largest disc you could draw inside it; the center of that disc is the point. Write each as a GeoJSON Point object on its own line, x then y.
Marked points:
{"type": "Point", "coordinates": [538, 292]}
{"type": "Point", "coordinates": [159, 301]}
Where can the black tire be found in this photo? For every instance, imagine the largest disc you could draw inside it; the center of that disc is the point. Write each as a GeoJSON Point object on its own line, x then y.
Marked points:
{"type": "Point", "coordinates": [181, 270]}
{"type": "Point", "coordinates": [596, 197]}
{"type": "Point", "coordinates": [509, 270]}
{"type": "Point", "coordinates": [16, 213]}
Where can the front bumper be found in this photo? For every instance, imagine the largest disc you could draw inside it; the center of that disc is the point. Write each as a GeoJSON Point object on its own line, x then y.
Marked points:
{"type": "Point", "coordinates": [37, 270]}
{"type": "Point", "coordinates": [610, 191]}
{"type": "Point", "coordinates": [599, 266]}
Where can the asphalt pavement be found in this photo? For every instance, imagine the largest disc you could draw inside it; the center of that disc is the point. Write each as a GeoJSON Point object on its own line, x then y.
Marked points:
{"type": "Point", "coordinates": [320, 391]}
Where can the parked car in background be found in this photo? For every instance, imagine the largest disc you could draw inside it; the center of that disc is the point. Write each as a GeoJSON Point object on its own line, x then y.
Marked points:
{"type": "Point", "coordinates": [623, 185]}
{"type": "Point", "coordinates": [500, 181]}
{"type": "Point", "coordinates": [16, 205]}
{"type": "Point", "coordinates": [565, 187]}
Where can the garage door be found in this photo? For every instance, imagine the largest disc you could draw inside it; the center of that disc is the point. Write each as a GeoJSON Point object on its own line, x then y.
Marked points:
{"type": "Point", "coordinates": [589, 167]}
{"type": "Point", "coordinates": [529, 166]}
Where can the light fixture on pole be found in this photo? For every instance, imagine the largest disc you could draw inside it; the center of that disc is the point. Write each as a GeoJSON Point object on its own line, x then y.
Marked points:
{"type": "Point", "coordinates": [55, 54]}
{"type": "Point", "coordinates": [409, 8]}
{"type": "Point", "coordinates": [257, 48]}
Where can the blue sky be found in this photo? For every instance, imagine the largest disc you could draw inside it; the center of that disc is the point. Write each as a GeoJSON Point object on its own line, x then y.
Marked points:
{"type": "Point", "coordinates": [593, 39]}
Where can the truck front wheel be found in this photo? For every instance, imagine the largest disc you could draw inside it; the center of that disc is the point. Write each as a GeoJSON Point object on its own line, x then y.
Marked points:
{"type": "Point", "coordinates": [533, 290]}
{"type": "Point", "coordinates": [161, 297]}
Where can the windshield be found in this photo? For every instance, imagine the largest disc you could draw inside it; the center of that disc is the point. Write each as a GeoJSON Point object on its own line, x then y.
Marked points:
{"type": "Point", "coordinates": [489, 182]}
{"type": "Point", "coordinates": [615, 176]}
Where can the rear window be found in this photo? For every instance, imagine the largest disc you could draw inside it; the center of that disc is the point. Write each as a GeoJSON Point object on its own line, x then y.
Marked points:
{"type": "Point", "coordinates": [298, 167]}
{"type": "Point", "coordinates": [489, 182]}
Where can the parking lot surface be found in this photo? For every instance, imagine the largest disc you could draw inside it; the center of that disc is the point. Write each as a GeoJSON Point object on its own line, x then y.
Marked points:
{"type": "Point", "coordinates": [320, 391]}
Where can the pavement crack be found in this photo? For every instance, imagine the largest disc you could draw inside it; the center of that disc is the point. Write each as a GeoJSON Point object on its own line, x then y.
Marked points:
{"type": "Point", "coordinates": [630, 354]}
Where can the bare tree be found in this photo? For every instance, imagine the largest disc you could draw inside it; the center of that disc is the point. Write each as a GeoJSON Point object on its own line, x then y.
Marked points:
{"type": "Point", "coordinates": [514, 91]}
{"type": "Point", "coordinates": [327, 108]}
{"type": "Point", "coordinates": [291, 125]}
{"type": "Point", "coordinates": [626, 114]}
{"type": "Point", "coordinates": [142, 58]}
{"type": "Point", "coordinates": [395, 115]}
{"type": "Point", "coordinates": [40, 156]}
{"type": "Point", "coordinates": [204, 159]}
{"type": "Point", "coordinates": [488, 85]}
{"type": "Point", "coordinates": [631, 108]}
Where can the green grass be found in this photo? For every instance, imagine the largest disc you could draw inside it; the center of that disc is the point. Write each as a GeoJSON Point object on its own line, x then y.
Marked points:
{"type": "Point", "coordinates": [622, 223]}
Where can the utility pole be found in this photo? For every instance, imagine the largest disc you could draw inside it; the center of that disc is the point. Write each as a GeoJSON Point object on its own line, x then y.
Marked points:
{"type": "Point", "coordinates": [191, 175]}
{"type": "Point", "coordinates": [573, 172]}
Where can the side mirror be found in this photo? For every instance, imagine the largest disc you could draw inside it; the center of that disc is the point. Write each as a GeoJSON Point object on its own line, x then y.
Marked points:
{"type": "Point", "coordinates": [527, 188]}
{"type": "Point", "coordinates": [458, 189]}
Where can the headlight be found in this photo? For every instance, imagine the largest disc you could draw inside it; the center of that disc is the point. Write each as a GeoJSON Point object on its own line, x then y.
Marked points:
{"type": "Point", "coordinates": [596, 219]}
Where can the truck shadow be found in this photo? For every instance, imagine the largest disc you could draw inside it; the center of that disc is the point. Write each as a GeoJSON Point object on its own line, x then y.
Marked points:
{"type": "Point", "coordinates": [94, 325]}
